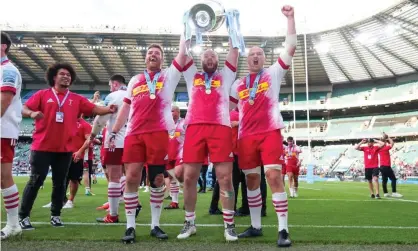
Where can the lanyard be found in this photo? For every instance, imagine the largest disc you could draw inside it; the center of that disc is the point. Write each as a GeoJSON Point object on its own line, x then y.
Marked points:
{"type": "Point", "coordinates": [60, 104]}
{"type": "Point", "coordinates": [253, 90]}
{"type": "Point", "coordinates": [208, 81]}
{"type": "Point", "coordinates": [151, 84]}
{"type": "Point", "coordinates": [177, 123]}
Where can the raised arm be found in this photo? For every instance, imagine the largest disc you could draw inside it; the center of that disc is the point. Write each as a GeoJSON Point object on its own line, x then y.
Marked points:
{"type": "Point", "coordinates": [391, 142]}
{"type": "Point", "coordinates": [291, 39]}
{"type": "Point", "coordinates": [357, 146]}
{"type": "Point", "coordinates": [379, 143]}
{"type": "Point", "coordinates": [233, 55]}
{"type": "Point", "coordinates": [182, 57]}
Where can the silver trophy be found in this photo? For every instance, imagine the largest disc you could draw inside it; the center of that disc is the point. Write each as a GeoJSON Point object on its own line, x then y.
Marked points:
{"type": "Point", "coordinates": [209, 16]}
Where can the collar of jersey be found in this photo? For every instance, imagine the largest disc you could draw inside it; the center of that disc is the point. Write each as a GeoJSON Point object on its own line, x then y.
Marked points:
{"type": "Point", "coordinates": [4, 59]}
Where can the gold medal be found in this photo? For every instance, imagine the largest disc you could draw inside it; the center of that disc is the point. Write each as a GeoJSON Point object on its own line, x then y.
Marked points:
{"type": "Point", "coordinates": [251, 102]}
{"type": "Point", "coordinates": [152, 96]}
{"type": "Point", "coordinates": [208, 91]}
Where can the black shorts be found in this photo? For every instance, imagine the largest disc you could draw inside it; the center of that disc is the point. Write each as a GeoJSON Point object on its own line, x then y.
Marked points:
{"type": "Point", "coordinates": [371, 172]}
{"type": "Point", "coordinates": [76, 171]}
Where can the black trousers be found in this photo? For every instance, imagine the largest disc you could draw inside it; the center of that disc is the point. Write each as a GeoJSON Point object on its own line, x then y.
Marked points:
{"type": "Point", "coordinates": [263, 190]}
{"type": "Point", "coordinates": [213, 178]}
{"type": "Point", "coordinates": [40, 162]}
{"type": "Point", "coordinates": [387, 173]}
{"type": "Point", "coordinates": [202, 178]}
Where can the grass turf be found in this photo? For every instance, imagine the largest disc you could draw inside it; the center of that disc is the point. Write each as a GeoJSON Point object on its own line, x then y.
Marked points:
{"type": "Point", "coordinates": [325, 213]}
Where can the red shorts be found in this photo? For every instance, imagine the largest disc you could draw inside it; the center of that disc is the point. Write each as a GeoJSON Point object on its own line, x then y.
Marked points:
{"type": "Point", "coordinates": [102, 154]}
{"type": "Point", "coordinates": [173, 163]}
{"type": "Point", "coordinates": [112, 158]}
{"type": "Point", "coordinates": [7, 150]}
{"type": "Point", "coordinates": [283, 169]}
{"type": "Point", "coordinates": [150, 148]}
{"type": "Point", "coordinates": [260, 149]}
{"type": "Point", "coordinates": [207, 139]}
{"type": "Point", "coordinates": [206, 162]}
{"type": "Point", "coordinates": [292, 169]}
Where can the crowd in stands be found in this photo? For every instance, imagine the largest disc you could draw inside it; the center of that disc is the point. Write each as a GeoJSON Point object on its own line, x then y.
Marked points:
{"type": "Point", "coordinates": [327, 160]}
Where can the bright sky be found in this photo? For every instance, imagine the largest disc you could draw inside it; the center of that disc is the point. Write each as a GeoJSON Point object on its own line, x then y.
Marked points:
{"type": "Point", "coordinates": [256, 15]}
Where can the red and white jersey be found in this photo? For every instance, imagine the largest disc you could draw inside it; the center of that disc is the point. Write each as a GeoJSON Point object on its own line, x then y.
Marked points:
{"type": "Point", "coordinates": [291, 155]}
{"type": "Point", "coordinates": [152, 115]}
{"type": "Point", "coordinates": [177, 140]}
{"type": "Point", "coordinates": [264, 115]}
{"type": "Point", "coordinates": [210, 108]}
{"type": "Point", "coordinates": [115, 98]}
{"type": "Point", "coordinates": [11, 81]}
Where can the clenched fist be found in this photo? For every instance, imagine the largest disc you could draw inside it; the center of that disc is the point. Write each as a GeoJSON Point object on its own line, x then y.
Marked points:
{"type": "Point", "coordinates": [288, 11]}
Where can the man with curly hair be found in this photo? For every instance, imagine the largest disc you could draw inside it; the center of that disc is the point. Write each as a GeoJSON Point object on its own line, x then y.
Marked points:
{"type": "Point", "coordinates": [56, 111]}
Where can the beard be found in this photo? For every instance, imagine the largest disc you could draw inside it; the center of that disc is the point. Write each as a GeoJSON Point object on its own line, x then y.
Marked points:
{"type": "Point", "coordinates": [210, 69]}
{"type": "Point", "coordinates": [63, 85]}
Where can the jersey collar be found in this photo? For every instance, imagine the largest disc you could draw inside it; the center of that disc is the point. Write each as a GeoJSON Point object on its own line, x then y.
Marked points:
{"type": "Point", "coordinates": [3, 59]}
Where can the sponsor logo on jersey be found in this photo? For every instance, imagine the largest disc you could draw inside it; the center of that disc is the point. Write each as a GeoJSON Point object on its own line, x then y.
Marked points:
{"type": "Point", "coordinates": [144, 88]}
{"type": "Point", "coordinates": [201, 82]}
{"type": "Point", "coordinates": [50, 100]}
{"type": "Point", "coordinates": [246, 92]}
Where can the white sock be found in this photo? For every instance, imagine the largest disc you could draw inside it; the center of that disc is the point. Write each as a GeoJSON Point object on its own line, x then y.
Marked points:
{"type": "Point", "coordinates": [156, 201]}
{"type": "Point", "coordinates": [190, 217]}
{"type": "Point", "coordinates": [228, 216]}
{"type": "Point", "coordinates": [254, 203]}
{"type": "Point", "coordinates": [280, 205]}
{"type": "Point", "coordinates": [174, 191]}
{"type": "Point", "coordinates": [113, 194]}
{"type": "Point", "coordinates": [11, 203]}
{"type": "Point", "coordinates": [122, 183]}
{"type": "Point", "coordinates": [131, 202]}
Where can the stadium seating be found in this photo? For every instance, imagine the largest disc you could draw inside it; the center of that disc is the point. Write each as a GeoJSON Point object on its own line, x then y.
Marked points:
{"type": "Point", "coordinates": [357, 96]}
{"type": "Point", "coordinates": [401, 124]}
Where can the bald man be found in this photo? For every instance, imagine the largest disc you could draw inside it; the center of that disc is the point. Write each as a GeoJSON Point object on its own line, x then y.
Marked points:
{"type": "Point", "coordinates": [209, 133]}
{"type": "Point", "coordinates": [259, 136]}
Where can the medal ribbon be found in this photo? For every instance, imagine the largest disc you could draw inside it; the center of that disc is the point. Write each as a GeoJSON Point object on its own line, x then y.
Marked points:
{"type": "Point", "coordinates": [151, 84]}
{"type": "Point", "coordinates": [253, 90]}
{"type": "Point", "coordinates": [208, 81]}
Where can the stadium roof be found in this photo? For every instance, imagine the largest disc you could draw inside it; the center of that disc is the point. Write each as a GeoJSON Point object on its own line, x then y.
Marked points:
{"type": "Point", "coordinates": [384, 45]}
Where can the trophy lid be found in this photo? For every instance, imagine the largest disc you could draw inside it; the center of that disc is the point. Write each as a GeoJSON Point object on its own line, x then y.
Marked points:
{"type": "Point", "coordinates": [207, 16]}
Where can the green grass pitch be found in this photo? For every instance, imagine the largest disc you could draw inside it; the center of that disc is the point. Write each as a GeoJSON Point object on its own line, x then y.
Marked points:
{"type": "Point", "coordinates": [326, 216]}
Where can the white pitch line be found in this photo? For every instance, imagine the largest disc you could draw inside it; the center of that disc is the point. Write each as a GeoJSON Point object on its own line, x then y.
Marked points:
{"type": "Point", "coordinates": [316, 189]}
{"type": "Point", "coordinates": [353, 200]}
{"type": "Point", "coordinates": [221, 225]}
{"type": "Point", "coordinates": [396, 199]}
